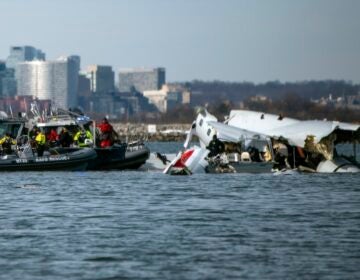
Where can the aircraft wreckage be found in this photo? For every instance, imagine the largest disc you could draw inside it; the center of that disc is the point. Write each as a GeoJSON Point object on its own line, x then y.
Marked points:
{"type": "Point", "coordinates": [256, 142]}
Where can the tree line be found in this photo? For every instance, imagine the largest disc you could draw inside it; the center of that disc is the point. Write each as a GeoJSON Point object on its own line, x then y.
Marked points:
{"type": "Point", "coordinates": [289, 99]}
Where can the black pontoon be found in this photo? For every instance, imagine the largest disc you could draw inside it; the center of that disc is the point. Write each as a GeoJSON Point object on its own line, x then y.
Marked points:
{"type": "Point", "coordinates": [120, 156]}
{"type": "Point", "coordinates": [55, 159]}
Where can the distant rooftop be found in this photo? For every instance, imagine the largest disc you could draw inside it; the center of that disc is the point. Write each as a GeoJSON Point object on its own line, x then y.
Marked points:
{"type": "Point", "coordinates": [140, 69]}
{"type": "Point", "coordinates": [57, 60]}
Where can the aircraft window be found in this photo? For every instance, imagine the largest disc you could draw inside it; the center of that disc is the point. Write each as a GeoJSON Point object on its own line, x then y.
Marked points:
{"type": "Point", "coordinates": [209, 131]}
{"type": "Point", "coordinates": [201, 122]}
{"type": "Point", "coordinates": [347, 150]}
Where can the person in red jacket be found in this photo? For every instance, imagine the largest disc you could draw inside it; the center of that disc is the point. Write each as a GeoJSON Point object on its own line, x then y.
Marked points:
{"type": "Point", "coordinates": [105, 126]}
{"type": "Point", "coordinates": [52, 137]}
{"type": "Point", "coordinates": [107, 133]}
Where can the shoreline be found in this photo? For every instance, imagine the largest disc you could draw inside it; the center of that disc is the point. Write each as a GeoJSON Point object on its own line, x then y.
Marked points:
{"type": "Point", "coordinates": [151, 132]}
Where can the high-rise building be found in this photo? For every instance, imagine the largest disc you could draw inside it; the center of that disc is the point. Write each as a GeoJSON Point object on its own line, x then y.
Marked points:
{"type": "Point", "coordinates": [101, 78]}
{"type": "Point", "coordinates": [18, 54]}
{"type": "Point", "coordinates": [84, 92]}
{"type": "Point", "coordinates": [141, 79]}
{"type": "Point", "coordinates": [7, 81]}
{"type": "Point", "coordinates": [2, 65]}
{"type": "Point", "coordinates": [84, 86]}
{"type": "Point", "coordinates": [54, 80]}
{"type": "Point", "coordinates": [2, 74]}
{"type": "Point", "coordinates": [23, 53]}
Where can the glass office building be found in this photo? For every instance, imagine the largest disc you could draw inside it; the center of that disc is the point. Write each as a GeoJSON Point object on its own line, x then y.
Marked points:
{"type": "Point", "coordinates": [23, 53]}
{"type": "Point", "coordinates": [54, 80]}
{"type": "Point", "coordinates": [101, 78]}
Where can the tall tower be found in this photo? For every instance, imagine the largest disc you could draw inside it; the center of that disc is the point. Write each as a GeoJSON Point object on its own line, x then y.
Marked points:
{"type": "Point", "coordinates": [53, 80]}
{"type": "Point", "coordinates": [101, 78]}
{"type": "Point", "coordinates": [23, 53]}
{"type": "Point", "coordinates": [18, 54]}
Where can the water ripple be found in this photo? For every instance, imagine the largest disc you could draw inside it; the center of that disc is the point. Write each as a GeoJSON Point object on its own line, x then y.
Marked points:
{"type": "Point", "coordinates": [144, 225]}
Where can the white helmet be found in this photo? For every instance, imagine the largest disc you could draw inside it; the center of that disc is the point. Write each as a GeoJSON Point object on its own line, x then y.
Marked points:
{"type": "Point", "coordinates": [88, 142]}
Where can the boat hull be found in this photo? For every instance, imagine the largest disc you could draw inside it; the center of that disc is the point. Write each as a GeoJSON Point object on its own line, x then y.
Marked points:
{"type": "Point", "coordinates": [66, 161]}
{"type": "Point", "coordinates": [119, 157]}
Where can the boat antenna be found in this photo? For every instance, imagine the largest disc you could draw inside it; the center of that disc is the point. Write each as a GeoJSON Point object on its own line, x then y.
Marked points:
{"type": "Point", "coordinates": [11, 112]}
{"type": "Point", "coordinates": [34, 109]}
{"type": "Point", "coordinates": [25, 106]}
{"type": "Point", "coordinates": [44, 114]}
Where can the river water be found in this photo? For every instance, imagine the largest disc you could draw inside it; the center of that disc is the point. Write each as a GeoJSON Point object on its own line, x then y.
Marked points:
{"type": "Point", "coordinates": [147, 225]}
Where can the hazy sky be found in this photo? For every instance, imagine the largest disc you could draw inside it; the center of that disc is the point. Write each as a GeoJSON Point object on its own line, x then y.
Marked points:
{"type": "Point", "coordinates": [231, 40]}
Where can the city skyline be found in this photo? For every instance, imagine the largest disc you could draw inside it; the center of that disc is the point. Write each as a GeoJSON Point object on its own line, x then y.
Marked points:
{"type": "Point", "coordinates": [254, 41]}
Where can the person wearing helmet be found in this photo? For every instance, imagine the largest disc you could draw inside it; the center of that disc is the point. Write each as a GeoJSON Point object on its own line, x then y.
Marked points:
{"type": "Point", "coordinates": [6, 142]}
{"type": "Point", "coordinates": [83, 138]}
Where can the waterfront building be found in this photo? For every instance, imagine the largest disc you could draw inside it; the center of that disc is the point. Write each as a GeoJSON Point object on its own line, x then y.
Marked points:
{"type": "Point", "coordinates": [2, 65]}
{"type": "Point", "coordinates": [141, 79]}
{"type": "Point", "coordinates": [349, 101]}
{"type": "Point", "coordinates": [167, 97]}
{"type": "Point", "coordinates": [183, 94]}
{"type": "Point", "coordinates": [157, 98]}
{"type": "Point", "coordinates": [84, 92]}
{"type": "Point", "coordinates": [7, 81]}
{"type": "Point", "coordinates": [54, 80]}
{"type": "Point", "coordinates": [84, 88]}
{"type": "Point", "coordinates": [118, 105]}
{"type": "Point", "coordinates": [2, 73]}
{"type": "Point", "coordinates": [20, 54]}
{"type": "Point", "coordinates": [101, 78]}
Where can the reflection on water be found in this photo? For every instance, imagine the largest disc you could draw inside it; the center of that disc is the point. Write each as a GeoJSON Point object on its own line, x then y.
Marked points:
{"type": "Point", "coordinates": [29, 185]}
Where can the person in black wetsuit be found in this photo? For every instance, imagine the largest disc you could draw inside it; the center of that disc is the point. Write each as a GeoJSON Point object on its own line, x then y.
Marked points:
{"type": "Point", "coordinates": [215, 146]}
